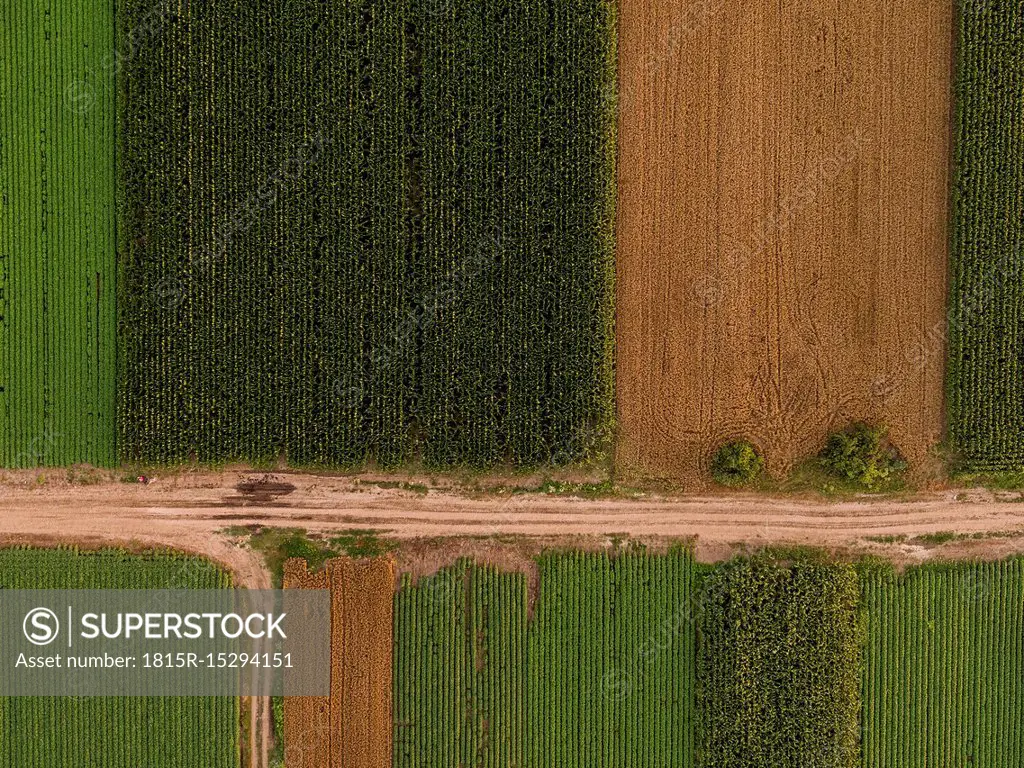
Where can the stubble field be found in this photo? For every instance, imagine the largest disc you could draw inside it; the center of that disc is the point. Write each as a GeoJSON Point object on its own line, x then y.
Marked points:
{"type": "Point", "coordinates": [782, 236]}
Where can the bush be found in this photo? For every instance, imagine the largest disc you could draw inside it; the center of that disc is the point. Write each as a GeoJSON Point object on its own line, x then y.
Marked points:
{"type": "Point", "coordinates": [737, 463]}
{"type": "Point", "coordinates": [863, 456]}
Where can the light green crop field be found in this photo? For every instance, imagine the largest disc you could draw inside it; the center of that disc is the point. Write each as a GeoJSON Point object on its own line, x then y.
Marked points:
{"type": "Point", "coordinates": [57, 249]}
{"type": "Point", "coordinates": [603, 674]}
{"type": "Point", "coordinates": [944, 667]}
{"type": "Point", "coordinates": [99, 732]}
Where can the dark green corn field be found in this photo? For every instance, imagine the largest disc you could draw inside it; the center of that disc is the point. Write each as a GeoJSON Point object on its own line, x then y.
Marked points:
{"type": "Point", "coordinates": [368, 231]}
{"type": "Point", "coordinates": [985, 389]}
{"type": "Point", "coordinates": [329, 233]}
{"type": "Point", "coordinates": [263, 173]}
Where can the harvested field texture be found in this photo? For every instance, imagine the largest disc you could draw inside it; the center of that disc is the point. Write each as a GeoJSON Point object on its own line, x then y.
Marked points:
{"type": "Point", "coordinates": [782, 234]}
{"type": "Point", "coordinates": [307, 719]}
{"type": "Point", "coordinates": [944, 667]}
{"type": "Point", "coordinates": [129, 732]}
{"type": "Point", "coordinates": [362, 601]}
{"type": "Point", "coordinates": [353, 727]}
{"type": "Point", "coordinates": [986, 350]}
{"type": "Point", "coordinates": [57, 254]}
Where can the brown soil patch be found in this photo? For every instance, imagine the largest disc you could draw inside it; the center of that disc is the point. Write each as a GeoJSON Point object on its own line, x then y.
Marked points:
{"type": "Point", "coordinates": [782, 226]}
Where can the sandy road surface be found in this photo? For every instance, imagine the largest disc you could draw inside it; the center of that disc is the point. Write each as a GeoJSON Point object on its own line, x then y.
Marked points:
{"type": "Point", "coordinates": [192, 511]}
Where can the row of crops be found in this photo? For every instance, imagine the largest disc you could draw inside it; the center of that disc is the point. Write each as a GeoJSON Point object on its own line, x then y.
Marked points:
{"type": "Point", "coordinates": [944, 667]}
{"type": "Point", "coordinates": [655, 660]}
{"type": "Point", "coordinates": [57, 255]}
{"type": "Point", "coordinates": [986, 328]}
{"type": "Point", "coordinates": [778, 665]}
{"type": "Point", "coordinates": [601, 675]}
{"type": "Point", "coordinates": [172, 732]}
{"type": "Point", "coordinates": [371, 230]}
{"type": "Point", "coordinates": [377, 230]}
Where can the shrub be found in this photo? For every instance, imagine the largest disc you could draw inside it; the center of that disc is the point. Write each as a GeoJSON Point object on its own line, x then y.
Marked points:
{"type": "Point", "coordinates": [737, 463]}
{"type": "Point", "coordinates": [863, 456]}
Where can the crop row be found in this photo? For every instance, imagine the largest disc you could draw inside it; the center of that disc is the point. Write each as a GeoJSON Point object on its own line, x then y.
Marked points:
{"type": "Point", "coordinates": [369, 230]}
{"type": "Point", "coordinates": [654, 660]}
{"type": "Point", "coordinates": [170, 732]}
{"type": "Point", "coordinates": [944, 667]}
{"type": "Point", "coordinates": [986, 326]}
{"type": "Point", "coordinates": [57, 253]}
{"type": "Point", "coordinates": [602, 675]}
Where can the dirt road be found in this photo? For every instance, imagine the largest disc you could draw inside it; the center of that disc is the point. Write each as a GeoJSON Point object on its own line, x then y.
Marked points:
{"type": "Point", "coordinates": [192, 511]}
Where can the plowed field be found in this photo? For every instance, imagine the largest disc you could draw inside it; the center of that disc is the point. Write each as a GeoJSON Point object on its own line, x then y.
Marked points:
{"type": "Point", "coordinates": [782, 226]}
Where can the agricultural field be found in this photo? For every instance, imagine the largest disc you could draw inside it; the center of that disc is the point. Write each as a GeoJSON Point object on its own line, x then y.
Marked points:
{"type": "Point", "coordinates": [944, 667]}
{"type": "Point", "coordinates": [601, 674]}
{"type": "Point", "coordinates": [460, 676]}
{"type": "Point", "coordinates": [782, 227]}
{"type": "Point", "coordinates": [57, 249]}
{"type": "Point", "coordinates": [778, 668]}
{"type": "Point", "coordinates": [353, 726]}
{"type": "Point", "coordinates": [307, 719]}
{"type": "Point", "coordinates": [397, 238]}
{"type": "Point", "coordinates": [986, 340]}
{"type": "Point", "coordinates": [648, 660]}
{"type": "Point", "coordinates": [114, 732]}
{"type": "Point", "coordinates": [279, 144]}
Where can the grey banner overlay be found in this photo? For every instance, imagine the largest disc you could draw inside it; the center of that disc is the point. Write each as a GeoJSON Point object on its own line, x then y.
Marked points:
{"type": "Point", "coordinates": [209, 642]}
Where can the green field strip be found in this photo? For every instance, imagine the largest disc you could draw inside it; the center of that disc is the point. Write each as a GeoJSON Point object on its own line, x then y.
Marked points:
{"type": "Point", "coordinates": [944, 666]}
{"type": "Point", "coordinates": [128, 732]}
{"type": "Point", "coordinates": [57, 348]}
{"type": "Point", "coordinates": [601, 675]}
{"type": "Point", "coordinates": [985, 390]}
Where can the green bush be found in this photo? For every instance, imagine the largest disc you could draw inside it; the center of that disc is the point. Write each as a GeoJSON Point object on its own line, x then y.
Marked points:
{"type": "Point", "coordinates": [863, 456]}
{"type": "Point", "coordinates": [737, 463]}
